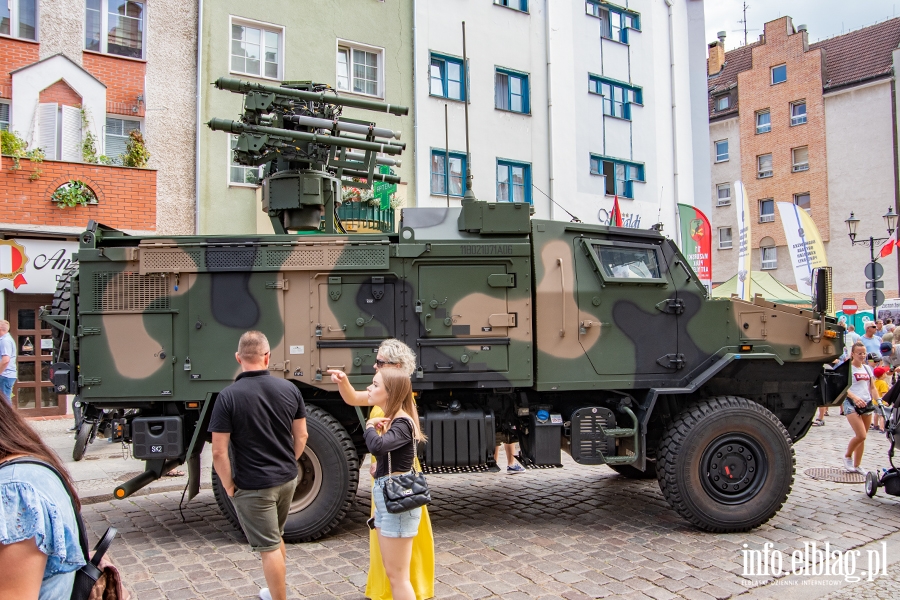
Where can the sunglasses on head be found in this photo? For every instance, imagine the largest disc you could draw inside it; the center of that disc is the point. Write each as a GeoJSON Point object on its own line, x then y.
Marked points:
{"type": "Point", "coordinates": [380, 363]}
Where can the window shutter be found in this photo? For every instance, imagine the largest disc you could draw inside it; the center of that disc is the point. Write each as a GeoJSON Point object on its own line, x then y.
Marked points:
{"type": "Point", "coordinates": [71, 134]}
{"type": "Point", "coordinates": [46, 137]}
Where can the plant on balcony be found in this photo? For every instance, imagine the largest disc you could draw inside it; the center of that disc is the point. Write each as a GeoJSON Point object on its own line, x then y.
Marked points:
{"type": "Point", "coordinates": [73, 193]}
{"type": "Point", "coordinates": [136, 154]}
{"type": "Point", "coordinates": [15, 147]}
{"type": "Point", "coordinates": [363, 196]}
{"type": "Point", "coordinates": [89, 143]}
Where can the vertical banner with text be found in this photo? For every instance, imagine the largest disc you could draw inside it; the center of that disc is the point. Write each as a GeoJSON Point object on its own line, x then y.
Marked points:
{"type": "Point", "coordinates": [804, 244]}
{"type": "Point", "coordinates": [743, 234]}
{"type": "Point", "coordinates": [696, 241]}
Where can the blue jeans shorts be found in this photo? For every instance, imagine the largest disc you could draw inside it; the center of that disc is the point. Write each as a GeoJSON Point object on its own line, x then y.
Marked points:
{"type": "Point", "coordinates": [401, 525]}
{"type": "Point", "coordinates": [850, 408]}
{"type": "Point", "coordinates": [6, 387]}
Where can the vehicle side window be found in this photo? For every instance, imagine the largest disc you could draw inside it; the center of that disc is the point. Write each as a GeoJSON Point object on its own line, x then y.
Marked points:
{"type": "Point", "coordinates": [628, 263]}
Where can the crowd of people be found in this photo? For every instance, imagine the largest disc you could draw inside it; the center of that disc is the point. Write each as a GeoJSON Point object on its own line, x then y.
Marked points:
{"type": "Point", "coordinates": [874, 369]}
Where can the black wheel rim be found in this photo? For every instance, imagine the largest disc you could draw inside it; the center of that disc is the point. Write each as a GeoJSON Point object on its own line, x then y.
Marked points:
{"type": "Point", "coordinates": [733, 468]}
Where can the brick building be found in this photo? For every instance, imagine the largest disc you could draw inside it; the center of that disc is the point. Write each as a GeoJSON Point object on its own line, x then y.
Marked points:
{"type": "Point", "coordinates": [76, 77]}
{"type": "Point", "coordinates": [812, 124]}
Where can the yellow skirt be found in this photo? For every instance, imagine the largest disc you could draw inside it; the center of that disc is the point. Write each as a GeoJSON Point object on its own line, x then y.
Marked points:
{"type": "Point", "coordinates": [421, 567]}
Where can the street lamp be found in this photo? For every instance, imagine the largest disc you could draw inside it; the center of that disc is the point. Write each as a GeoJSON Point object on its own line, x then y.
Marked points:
{"type": "Point", "coordinates": [873, 270]}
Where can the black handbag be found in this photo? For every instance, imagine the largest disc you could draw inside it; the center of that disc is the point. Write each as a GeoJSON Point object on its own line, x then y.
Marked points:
{"type": "Point", "coordinates": [405, 492]}
{"type": "Point", "coordinates": [86, 577]}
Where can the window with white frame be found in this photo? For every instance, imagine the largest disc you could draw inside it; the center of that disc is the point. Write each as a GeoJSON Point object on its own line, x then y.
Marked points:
{"type": "Point", "coordinates": [763, 121]}
{"type": "Point", "coordinates": [766, 210]}
{"type": "Point", "coordinates": [798, 112]}
{"type": "Point", "coordinates": [239, 174]}
{"type": "Point", "coordinates": [802, 200]}
{"type": "Point", "coordinates": [800, 159]}
{"type": "Point", "coordinates": [4, 116]}
{"type": "Point", "coordinates": [359, 69]}
{"type": "Point", "coordinates": [115, 27]}
{"type": "Point", "coordinates": [116, 135]}
{"type": "Point", "coordinates": [18, 18]}
{"type": "Point", "coordinates": [454, 176]}
{"type": "Point", "coordinates": [256, 49]}
{"type": "Point", "coordinates": [721, 150]}
{"type": "Point", "coordinates": [724, 238]}
{"type": "Point", "coordinates": [59, 132]}
{"type": "Point", "coordinates": [768, 257]}
{"type": "Point", "coordinates": [779, 74]}
{"type": "Point", "coordinates": [513, 181]}
{"type": "Point", "coordinates": [723, 194]}
{"type": "Point", "coordinates": [723, 103]}
{"type": "Point", "coordinates": [763, 166]}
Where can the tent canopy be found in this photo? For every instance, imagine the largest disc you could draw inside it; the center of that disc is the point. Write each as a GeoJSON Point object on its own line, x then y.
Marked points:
{"type": "Point", "coordinates": [763, 283]}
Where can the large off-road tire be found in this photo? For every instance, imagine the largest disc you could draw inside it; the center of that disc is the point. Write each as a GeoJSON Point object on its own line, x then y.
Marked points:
{"type": "Point", "coordinates": [726, 464]}
{"type": "Point", "coordinates": [634, 473]}
{"type": "Point", "coordinates": [81, 440]}
{"type": "Point", "coordinates": [329, 476]}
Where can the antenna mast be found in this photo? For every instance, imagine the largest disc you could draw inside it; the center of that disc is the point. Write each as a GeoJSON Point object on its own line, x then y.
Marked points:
{"type": "Point", "coordinates": [469, 195]}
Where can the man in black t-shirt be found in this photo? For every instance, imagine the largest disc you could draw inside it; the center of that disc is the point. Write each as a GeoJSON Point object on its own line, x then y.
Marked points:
{"type": "Point", "coordinates": [263, 419]}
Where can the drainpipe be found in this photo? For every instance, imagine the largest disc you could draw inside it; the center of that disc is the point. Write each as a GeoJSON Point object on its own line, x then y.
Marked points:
{"type": "Point", "coordinates": [415, 160]}
{"type": "Point", "coordinates": [896, 158]}
{"type": "Point", "coordinates": [669, 4]}
{"type": "Point", "coordinates": [198, 116]}
{"type": "Point", "coordinates": [549, 104]}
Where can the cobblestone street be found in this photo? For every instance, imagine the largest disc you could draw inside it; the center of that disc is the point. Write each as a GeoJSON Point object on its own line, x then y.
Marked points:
{"type": "Point", "coordinates": [576, 532]}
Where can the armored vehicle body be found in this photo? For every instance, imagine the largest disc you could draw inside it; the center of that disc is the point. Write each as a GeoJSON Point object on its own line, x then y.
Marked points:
{"type": "Point", "coordinates": [591, 340]}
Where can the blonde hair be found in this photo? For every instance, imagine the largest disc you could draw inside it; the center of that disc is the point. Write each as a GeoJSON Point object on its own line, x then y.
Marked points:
{"type": "Point", "coordinates": [396, 352]}
{"type": "Point", "coordinates": [253, 345]}
{"type": "Point", "coordinates": [400, 397]}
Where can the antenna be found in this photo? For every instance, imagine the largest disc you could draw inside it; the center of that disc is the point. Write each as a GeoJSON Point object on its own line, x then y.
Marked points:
{"type": "Point", "coordinates": [469, 195]}
{"type": "Point", "coordinates": [744, 23]}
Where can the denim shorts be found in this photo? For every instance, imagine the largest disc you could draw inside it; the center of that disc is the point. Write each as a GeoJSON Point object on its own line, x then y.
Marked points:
{"type": "Point", "coordinates": [401, 525]}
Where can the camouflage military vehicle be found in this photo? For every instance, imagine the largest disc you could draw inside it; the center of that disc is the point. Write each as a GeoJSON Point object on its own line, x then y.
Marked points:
{"type": "Point", "coordinates": [593, 340]}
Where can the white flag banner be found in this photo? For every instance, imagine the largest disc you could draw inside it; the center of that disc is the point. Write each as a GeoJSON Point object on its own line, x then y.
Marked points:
{"type": "Point", "coordinates": [743, 241]}
{"type": "Point", "coordinates": [804, 244]}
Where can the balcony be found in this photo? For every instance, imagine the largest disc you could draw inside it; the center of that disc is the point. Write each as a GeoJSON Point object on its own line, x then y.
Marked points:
{"type": "Point", "coordinates": [362, 217]}
{"type": "Point", "coordinates": [125, 196]}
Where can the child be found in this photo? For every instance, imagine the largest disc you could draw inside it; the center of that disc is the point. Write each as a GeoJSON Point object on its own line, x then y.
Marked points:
{"type": "Point", "coordinates": [881, 386]}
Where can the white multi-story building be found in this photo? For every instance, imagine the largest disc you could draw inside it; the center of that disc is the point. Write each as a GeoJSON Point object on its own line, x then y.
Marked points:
{"type": "Point", "coordinates": [614, 105]}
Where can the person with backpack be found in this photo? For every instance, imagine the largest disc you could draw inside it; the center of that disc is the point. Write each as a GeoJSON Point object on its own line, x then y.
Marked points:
{"type": "Point", "coordinates": [39, 543]}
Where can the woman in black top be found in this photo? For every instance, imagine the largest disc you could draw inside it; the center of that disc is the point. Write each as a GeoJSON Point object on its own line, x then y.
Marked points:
{"type": "Point", "coordinates": [394, 437]}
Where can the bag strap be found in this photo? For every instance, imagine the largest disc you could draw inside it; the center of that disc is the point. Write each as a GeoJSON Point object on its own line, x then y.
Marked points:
{"type": "Point", "coordinates": [91, 563]}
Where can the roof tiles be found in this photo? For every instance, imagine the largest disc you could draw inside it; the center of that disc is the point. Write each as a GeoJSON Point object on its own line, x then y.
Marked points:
{"type": "Point", "coordinates": [850, 58]}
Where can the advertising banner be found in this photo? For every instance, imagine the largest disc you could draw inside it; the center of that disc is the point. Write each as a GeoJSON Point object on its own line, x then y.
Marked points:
{"type": "Point", "coordinates": [696, 241]}
{"type": "Point", "coordinates": [804, 244]}
{"type": "Point", "coordinates": [743, 241]}
{"type": "Point", "coordinates": [32, 266]}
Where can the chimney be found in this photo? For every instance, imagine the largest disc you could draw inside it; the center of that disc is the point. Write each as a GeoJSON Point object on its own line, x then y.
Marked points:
{"type": "Point", "coordinates": [802, 30]}
{"type": "Point", "coordinates": [716, 55]}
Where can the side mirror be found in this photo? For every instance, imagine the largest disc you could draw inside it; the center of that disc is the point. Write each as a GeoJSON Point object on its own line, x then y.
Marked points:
{"type": "Point", "coordinates": [822, 297]}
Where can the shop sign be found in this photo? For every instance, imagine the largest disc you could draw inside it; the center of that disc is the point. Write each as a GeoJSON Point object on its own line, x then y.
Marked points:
{"type": "Point", "coordinates": [31, 266]}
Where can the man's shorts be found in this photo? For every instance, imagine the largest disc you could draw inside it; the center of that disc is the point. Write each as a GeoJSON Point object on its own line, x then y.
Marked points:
{"type": "Point", "coordinates": [262, 514]}
{"type": "Point", "coordinates": [501, 437]}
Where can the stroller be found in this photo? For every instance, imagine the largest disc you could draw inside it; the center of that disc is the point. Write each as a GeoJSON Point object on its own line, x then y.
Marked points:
{"type": "Point", "coordinates": [889, 478]}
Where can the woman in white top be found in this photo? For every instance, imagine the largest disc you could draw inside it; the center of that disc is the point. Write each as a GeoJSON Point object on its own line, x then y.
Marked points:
{"type": "Point", "coordinates": [859, 396]}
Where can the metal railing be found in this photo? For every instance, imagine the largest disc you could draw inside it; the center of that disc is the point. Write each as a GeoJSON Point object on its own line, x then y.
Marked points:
{"type": "Point", "coordinates": [362, 216]}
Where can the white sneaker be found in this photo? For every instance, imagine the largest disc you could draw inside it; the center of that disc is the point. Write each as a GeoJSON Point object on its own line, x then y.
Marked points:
{"type": "Point", "coordinates": [264, 594]}
{"type": "Point", "coordinates": [848, 466]}
{"type": "Point", "coordinates": [859, 470]}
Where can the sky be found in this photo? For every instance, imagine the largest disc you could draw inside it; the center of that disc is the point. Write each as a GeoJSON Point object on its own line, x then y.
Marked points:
{"type": "Point", "coordinates": [825, 18]}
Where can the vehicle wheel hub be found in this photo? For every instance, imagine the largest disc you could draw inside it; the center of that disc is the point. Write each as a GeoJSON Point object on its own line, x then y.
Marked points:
{"type": "Point", "coordinates": [733, 468]}
{"type": "Point", "coordinates": [309, 481]}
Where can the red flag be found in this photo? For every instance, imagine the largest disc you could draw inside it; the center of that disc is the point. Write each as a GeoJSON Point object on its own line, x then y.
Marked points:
{"type": "Point", "coordinates": [616, 217]}
{"type": "Point", "coordinates": [888, 248]}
